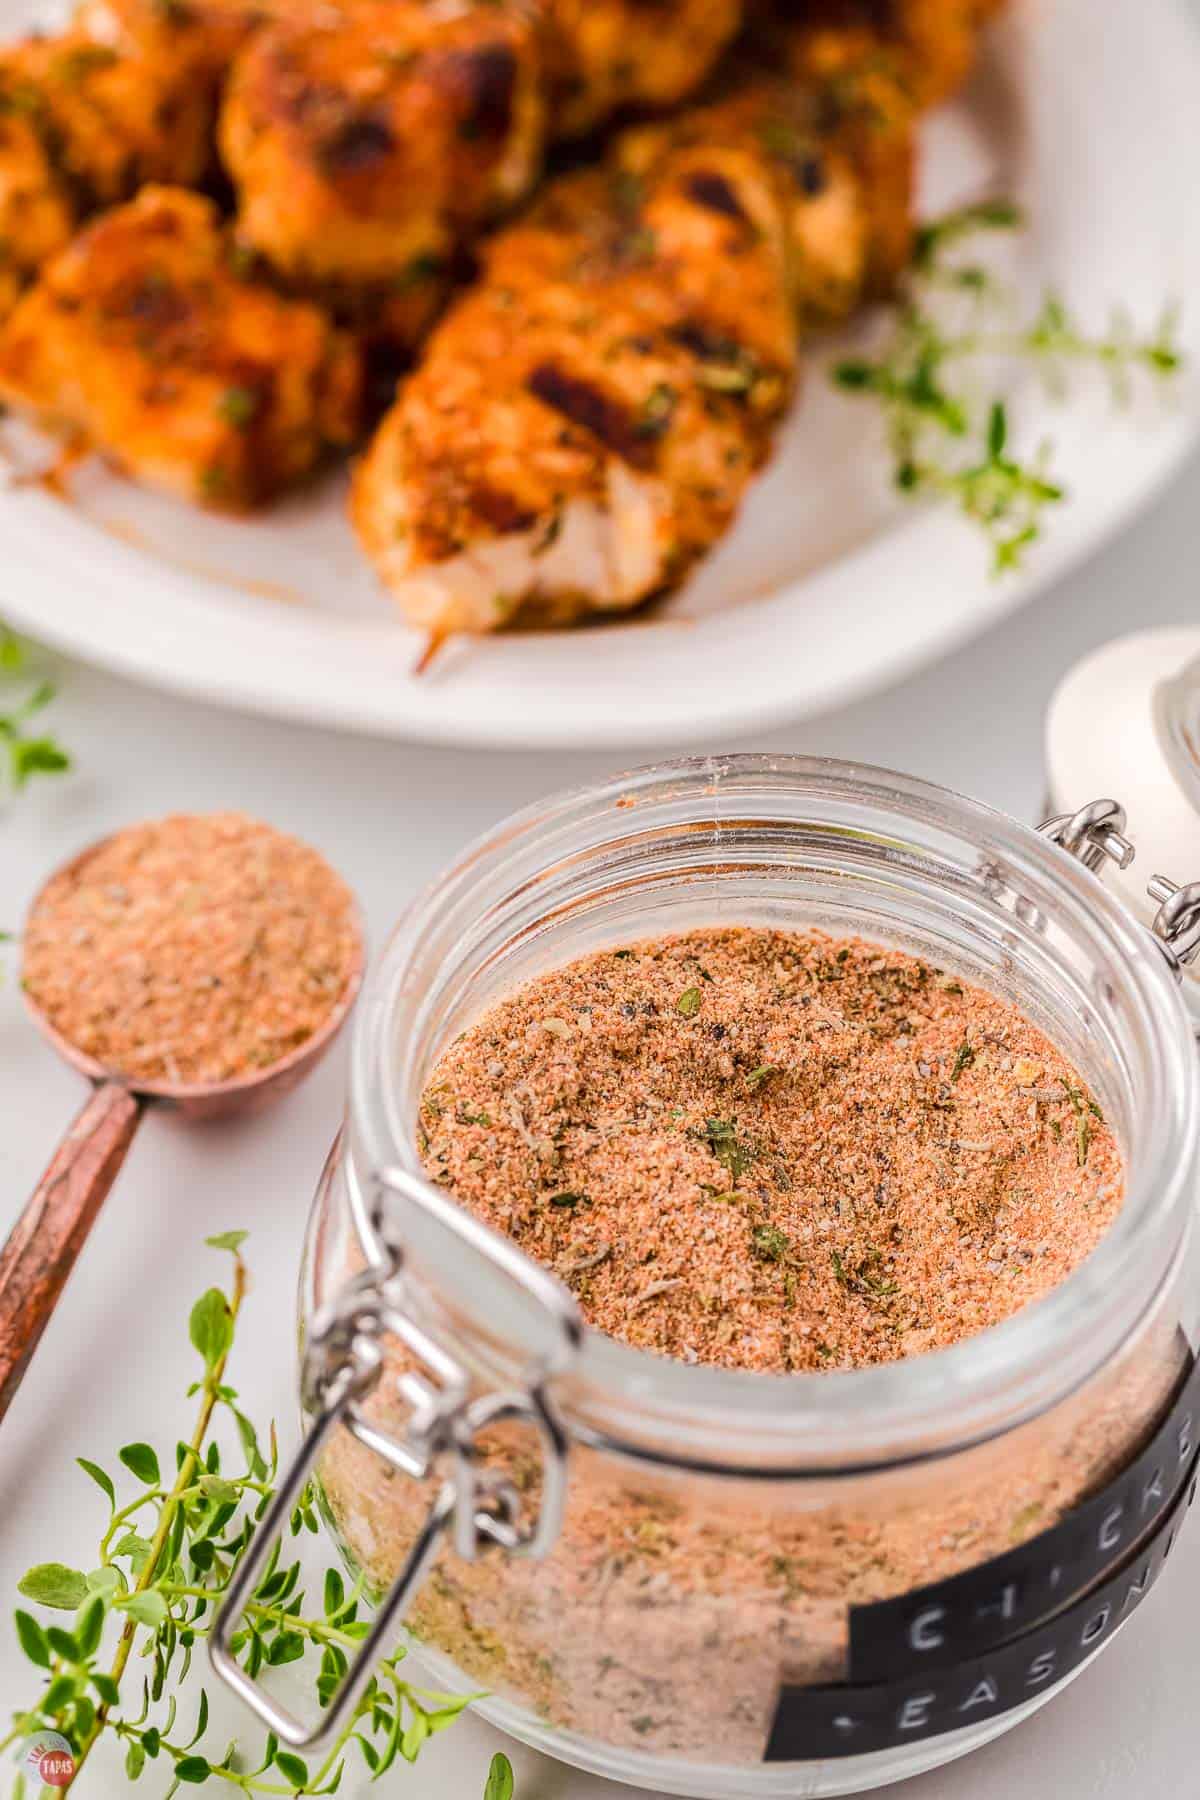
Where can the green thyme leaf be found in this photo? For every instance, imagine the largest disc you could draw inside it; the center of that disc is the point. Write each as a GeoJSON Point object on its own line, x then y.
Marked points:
{"type": "Point", "coordinates": [224, 1493]}
{"type": "Point", "coordinates": [500, 1779]}
{"type": "Point", "coordinates": [182, 1549]}
{"type": "Point", "coordinates": [63, 1643]}
{"type": "Point", "coordinates": [148, 1607]}
{"type": "Point", "coordinates": [758, 1078]}
{"type": "Point", "coordinates": [192, 1769]}
{"type": "Point", "coordinates": [963, 1059]}
{"type": "Point", "coordinates": [722, 1139]}
{"type": "Point", "coordinates": [1081, 1106]}
{"type": "Point", "coordinates": [211, 1326]}
{"type": "Point", "coordinates": [934, 239]}
{"type": "Point", "coordinates": [29, 753]}
{"type": "Point", "coordinates": [656, 411]}
{"type": "Point", "coordinates": [947, 442]}
{"type": "Point", "coordinates": [99, 1477]}
{"type": "Point", "coordinates": [33, 1640]}
{"type": "Point", "coordinates": [53, 1584]}
{"type": "Point", "coordinates": [240, 406]}
{"type": "Point", "coordinates": [89, 1625]}
{"type": "Point", "coordinates": [227, 1240]}
{"type": "Point", "coordinates": [141, 1461]}
{"type": "Point", "coordinates": [688, 1002]}
{"type": "Point", "coordinates": [36, 756]}
{"type": "Point", "coordinates": [135, 1547]}
{"type": "Point", "coordinates": [770, 1244]}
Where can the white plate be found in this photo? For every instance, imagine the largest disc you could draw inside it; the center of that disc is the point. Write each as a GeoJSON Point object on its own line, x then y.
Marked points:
{"type": "Point", "coordinates": [1086, 110]}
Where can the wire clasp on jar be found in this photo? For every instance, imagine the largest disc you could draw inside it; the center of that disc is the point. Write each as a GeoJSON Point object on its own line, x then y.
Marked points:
{"type": "Point", "coordinates": [1095, 835]}
{"type": "Point", "coordinates": [478, 1508]}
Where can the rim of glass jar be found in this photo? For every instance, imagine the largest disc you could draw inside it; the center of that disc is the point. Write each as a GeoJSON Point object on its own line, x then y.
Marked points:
{"type": "Point", "coordinates": [836, 1422]}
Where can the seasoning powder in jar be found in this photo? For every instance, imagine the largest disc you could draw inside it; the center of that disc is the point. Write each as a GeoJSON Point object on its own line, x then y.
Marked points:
{"type": "Point", "coordinates": [770, 1151]}
{"type": "Point", "coordinates": [774, 1151]}
{"type": "Point", "coordinates": [225, 946]}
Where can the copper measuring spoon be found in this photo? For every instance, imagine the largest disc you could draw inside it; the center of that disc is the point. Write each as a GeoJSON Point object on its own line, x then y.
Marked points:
{"type": "Point", "coordinates": [48, 1237]}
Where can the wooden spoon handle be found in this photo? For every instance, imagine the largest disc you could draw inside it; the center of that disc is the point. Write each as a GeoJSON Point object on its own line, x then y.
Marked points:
{"type": "Point", "coordinates": [41, 1252]}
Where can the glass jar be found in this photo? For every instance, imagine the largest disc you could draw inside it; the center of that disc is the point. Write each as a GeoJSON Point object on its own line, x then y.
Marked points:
{"type": "Point", "coordinates": [702, 1536]}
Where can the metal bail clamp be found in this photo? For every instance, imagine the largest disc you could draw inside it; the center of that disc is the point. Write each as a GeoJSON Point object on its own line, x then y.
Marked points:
{"type": "Point", "coordinates": [1095, 835]}
{"type": "Point", "coordinates": [479, 1508]}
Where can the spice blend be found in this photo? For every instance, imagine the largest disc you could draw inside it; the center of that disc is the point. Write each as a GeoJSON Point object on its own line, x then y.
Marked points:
{"type": "Point", "coordinates": [192, 950]}
{"type": "Point", "coordinates": [769, 1150]}
{"type": "Point", "coordinates": [774, 1150]}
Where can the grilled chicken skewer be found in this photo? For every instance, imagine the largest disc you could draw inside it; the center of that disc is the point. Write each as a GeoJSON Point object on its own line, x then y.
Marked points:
{"type": "Point", "coordinates": [83, 125]}
{"type": "Point", "coordinates": [370, 143]}
{"type": "Point", "coordinates": [141, 341]}
{"type": "Point", "coordinates": [584, 423]}
{"type": "Point", "coordinates": [582, 426]}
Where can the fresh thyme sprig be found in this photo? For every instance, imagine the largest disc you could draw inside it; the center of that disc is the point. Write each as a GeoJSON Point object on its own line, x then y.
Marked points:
{"type": "Point", "coordinates": [29, 752]}
{"type": "Point", "coordinates": [952, 319]}
{"type": "Point", "coordinates": [165, 1560]}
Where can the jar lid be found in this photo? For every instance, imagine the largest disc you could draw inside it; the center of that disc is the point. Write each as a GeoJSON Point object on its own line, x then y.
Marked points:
{"type": "Point", "coordinates": [1177, 705]}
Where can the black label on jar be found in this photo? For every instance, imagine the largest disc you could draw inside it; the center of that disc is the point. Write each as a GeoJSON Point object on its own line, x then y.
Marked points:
{"type": "Point", "coordinates": [938, 1626]}
{"type": "Point", "coordinates": [812, 1723]}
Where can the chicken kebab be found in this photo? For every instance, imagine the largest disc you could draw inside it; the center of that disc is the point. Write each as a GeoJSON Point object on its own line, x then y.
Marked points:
{"type": "Point", "coordinates": [585, 421]}
{"type": "Point", "coordinates": [369, 141]}
{"type": "Point", "coordinates": [584, 424]}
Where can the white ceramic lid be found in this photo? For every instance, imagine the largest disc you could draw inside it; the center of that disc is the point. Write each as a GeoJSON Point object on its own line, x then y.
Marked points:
{"type": "Point", "coordinates": [1124, 724]}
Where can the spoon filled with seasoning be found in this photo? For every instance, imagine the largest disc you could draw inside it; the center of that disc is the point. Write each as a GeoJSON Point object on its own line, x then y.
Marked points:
{"type": "Point", "coordinates": [204, 963]}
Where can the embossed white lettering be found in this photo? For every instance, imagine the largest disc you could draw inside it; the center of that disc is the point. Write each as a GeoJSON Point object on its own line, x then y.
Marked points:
{"type": "Point", "coordinates": [984, 1693]}
{"type": "Point", "coordinates": [923, 1633]}
{"type": "Point", "coordinates": [1110, 1529]}
{"type": "Point", "coordinates": [1005, 1606]}
{"type": "Point", "coordinates": [915, 1712]}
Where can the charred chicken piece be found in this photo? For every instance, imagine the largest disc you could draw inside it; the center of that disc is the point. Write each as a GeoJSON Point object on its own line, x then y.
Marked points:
{"type": "Point", "coordinates": [83, 125]}
{"type": "Point", "coordinates": [845, 169]}
{"type": "Point", "coordinates": [567, 448]}
{"type": "Point", "coordinates": [141, 342]}
{"type": "Point", "coordinates": [584, 424]}
{"type": "Point", "coordinates": [369, 144]}
{"type": "Point", "coordinates": [37, 213]}
{"type": "Point", "coordinates": [110, 119]}
{"type": "Point", "coordinates": [204, 34]}
{"type": "Point", "coordinates": [366, 148]}
{"type": "Point", "coordinates": [602, 56]}
{"type": "Point", "coordinates": [927, 46]}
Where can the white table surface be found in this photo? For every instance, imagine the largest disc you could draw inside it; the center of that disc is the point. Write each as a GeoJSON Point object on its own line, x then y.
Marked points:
{"type": "Point", "coordinates": [115, 1361]}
